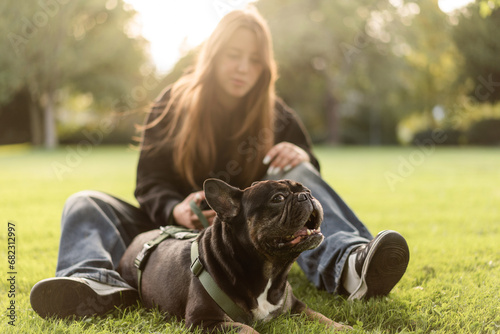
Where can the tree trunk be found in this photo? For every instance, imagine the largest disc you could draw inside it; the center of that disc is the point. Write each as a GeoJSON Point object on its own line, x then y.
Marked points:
{"type": "Point", "coordinates": [375, 127]}
{"type": "Point", "coordinates": [49, 121]}
{"type": "Point", "coordinates": [36, 125]}
{"type": "Point", "coordinates": [332, 117]}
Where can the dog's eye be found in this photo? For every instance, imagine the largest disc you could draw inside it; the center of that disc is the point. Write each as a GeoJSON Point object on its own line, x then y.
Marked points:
{"type": "Point", "coordinates": [278, 198]}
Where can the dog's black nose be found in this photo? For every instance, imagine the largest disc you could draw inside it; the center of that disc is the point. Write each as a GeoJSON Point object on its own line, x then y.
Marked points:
{"type": "Point", "coordinates": [302, 197]}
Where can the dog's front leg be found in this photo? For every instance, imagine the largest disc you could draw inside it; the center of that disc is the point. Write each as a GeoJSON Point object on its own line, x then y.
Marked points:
{"type": "Point", "coordinates": [316, 316]}
{"type": "Point", "coordinates": [298, 307]}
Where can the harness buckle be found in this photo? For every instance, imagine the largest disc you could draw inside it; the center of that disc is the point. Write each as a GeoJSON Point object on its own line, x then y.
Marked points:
{"type": "Point", "coordinates": [197, 267]}
{"type": "Point", "coordinates": [139, 262]}
{"type": "Point", "coordinates": [183, 235]}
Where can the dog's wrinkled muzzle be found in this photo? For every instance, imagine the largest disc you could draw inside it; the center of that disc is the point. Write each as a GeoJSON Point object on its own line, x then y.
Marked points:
{"type": "Point", "coordinates": [301, 197]}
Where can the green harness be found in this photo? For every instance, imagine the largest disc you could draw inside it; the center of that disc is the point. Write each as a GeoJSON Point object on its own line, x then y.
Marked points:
{"type": "Point", "coordinates": [222, 299]}
{"type": "Point", "coordinates": [148, 248]}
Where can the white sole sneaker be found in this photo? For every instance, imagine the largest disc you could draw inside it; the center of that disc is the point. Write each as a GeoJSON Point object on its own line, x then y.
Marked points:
{"type": "Point", "coordinates": [380, 265]}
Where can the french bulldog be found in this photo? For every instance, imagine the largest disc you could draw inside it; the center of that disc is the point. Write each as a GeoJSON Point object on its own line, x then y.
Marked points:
{"type": "Point", "coordinates": [256, 236]}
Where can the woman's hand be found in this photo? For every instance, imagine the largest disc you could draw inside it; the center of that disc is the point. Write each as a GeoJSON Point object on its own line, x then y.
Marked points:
{"type": "Point", "coordinates": [184, 216]}
{"type": "Point", "coordinates": [283, 157]}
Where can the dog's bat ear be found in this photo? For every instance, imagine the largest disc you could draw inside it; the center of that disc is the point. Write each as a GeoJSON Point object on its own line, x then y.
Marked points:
{"type": "Point", "coordinates": [224, 199]}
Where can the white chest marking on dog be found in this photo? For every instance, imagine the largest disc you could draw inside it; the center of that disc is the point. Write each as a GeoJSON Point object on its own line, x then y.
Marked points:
{"type": "Point", "coordinates": [264, 308]}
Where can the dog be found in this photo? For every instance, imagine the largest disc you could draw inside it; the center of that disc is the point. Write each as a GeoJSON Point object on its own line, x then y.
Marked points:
{"type": "Point", "coordinates": [256, 236]}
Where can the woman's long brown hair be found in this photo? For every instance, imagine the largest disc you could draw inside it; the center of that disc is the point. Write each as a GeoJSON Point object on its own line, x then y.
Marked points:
{"type": "Point", "coordinates": [195, 111]}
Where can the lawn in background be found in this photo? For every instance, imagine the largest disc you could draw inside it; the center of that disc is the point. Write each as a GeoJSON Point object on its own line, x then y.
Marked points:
{"type": "Point", "coordinates": [445, 201]}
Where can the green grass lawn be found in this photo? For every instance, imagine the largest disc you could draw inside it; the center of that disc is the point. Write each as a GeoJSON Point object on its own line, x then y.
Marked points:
{"type": "Point", "coordinates": [446, 202]}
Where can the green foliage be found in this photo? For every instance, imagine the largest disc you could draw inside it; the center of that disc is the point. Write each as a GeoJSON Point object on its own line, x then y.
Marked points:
{"type": "Point", "coordinates": [56, 46]}
{"type": "Point", "coordinates": [485, 132]}
{"type": "Point", "coordinates": [486, 7]}
{"type": "Point", "coordinates": [80, 43]}
{"type": "Point", "coordinates": [354, 71]}
{"type": "Point", "coordinates": [361, 66]}
{"type": "Point", "coordinates": [10, 80]}
{"type": "Point", "coordinates": [480, 47]}
{"type": "Point", "coordinates": [446, 206]}
{"type": "Point", "coordinates": [468, 122]}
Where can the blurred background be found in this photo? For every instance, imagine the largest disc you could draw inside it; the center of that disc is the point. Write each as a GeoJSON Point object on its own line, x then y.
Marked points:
{"type": "Point", "coordinates": [358, 72]}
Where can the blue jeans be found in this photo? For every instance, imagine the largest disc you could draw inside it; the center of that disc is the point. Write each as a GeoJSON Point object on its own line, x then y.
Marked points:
{"type": "Point", "coordinates": [343, 231]}
{"type": "Point", "coordinates": [96, 229]}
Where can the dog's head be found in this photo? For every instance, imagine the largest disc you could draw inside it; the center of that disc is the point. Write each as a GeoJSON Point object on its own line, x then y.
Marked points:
{"type": "Point", "coordinates": [280, 219]}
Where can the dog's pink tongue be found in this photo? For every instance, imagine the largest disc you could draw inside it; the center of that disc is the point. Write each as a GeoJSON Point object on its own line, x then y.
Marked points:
{"type": "Point", "coordinates": [299, 234]}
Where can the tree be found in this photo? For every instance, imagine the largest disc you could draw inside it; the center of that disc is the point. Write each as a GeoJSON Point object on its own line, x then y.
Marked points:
{"type": "Point", "coordinates": [83, 46]}
{"type": "Point", "coordinates": [355, 69]}
{"type": "Point", "coordinates": [486, 7]}
{"type": "Point", "coordinates": [332, 67]}
{"type": "Point", "coordinates": [308, 39]}
{"type": "Point", "coordinates": [432, 61]}
{"type": "Point", "coordinates": [10, 81]}
{"type": "Point", "coordinates": [476, 39]}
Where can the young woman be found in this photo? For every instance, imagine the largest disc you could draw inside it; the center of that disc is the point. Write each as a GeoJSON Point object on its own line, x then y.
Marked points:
{"type": "Point", "coordinates": [220, 120]}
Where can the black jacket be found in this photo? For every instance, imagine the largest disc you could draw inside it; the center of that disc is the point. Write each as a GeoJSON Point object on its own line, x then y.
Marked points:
{"type": "Point", "coordinates": [159, 188]}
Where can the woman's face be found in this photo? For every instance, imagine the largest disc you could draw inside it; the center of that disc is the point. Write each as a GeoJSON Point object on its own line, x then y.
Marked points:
{"type": "Point", "coordinates": [238, 67]}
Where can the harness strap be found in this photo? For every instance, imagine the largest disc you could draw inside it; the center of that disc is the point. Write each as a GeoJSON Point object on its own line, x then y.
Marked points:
{"type": "Point", "coordinates": [234, 311]}
{"type": "Point", "coordinates": [197, 211]}
{"type": "Point", "coordinates": [220, 297]}
{"type": "Point", "coordinates": [165, 233]}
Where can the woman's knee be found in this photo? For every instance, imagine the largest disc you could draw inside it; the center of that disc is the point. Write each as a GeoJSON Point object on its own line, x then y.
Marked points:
{"type": "Point", "coordinates": [84, 196]}
{"type": "Point", "coordinates": [82, 201]}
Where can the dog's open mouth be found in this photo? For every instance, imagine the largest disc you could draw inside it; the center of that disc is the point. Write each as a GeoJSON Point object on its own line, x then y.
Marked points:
{"type": "Point", "coordinates": [310, 228]}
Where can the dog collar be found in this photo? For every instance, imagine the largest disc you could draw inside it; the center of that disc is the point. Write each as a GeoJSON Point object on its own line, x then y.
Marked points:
{"type": "Point", "coordinates": [220, 297]}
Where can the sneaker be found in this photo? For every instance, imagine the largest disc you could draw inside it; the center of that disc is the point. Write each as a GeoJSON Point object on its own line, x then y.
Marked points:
{"type": "Point", "coordinates": [63, 297]}
{"type": "Point", "coordinates": [379, 265]}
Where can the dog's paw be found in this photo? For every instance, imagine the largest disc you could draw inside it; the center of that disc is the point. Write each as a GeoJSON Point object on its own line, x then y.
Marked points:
{"type": "Point", "coordinates": [340, 327]}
